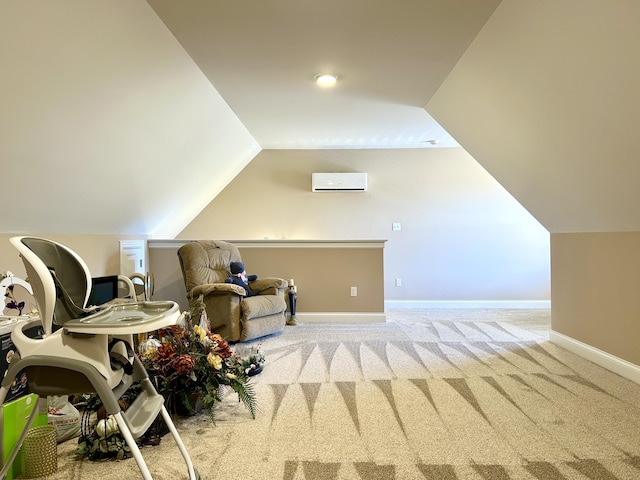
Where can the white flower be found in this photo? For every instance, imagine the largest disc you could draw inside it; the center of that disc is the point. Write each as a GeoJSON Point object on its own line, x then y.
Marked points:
{"type": "Point", "coordinates": [149, 347]}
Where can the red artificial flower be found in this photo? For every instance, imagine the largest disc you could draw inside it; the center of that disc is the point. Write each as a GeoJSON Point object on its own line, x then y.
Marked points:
{"type": "Point", "coordinates": [183, 364]}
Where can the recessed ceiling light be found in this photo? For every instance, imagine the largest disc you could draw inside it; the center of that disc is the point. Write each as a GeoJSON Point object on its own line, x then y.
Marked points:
{"type": "Point", "coordinates": [326, 79]}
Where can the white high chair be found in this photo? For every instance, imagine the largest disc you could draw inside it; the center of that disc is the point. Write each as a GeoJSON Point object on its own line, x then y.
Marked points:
{"type": "Point", "coordinates": [143, 285]}
{"type": "Point", "coordinates": [86, 350]}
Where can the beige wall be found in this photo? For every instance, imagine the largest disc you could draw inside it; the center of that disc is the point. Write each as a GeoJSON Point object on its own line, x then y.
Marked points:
{"type": "Point", "coordinates": [595, 290]}
{"type": "Point", "coordinates": [101, 253]}
{"type": "Point", "coordinates": [546, 99]}
{"type": "Point", "coordinates": [169, 285]}
{"type": "Point", "coordinates": [100, 105]}
{"type": "Point", "coordinates": [324, 272]}
{"type": "Point", "coordinates": [463, 237]}
{"type": "Point", "coordinates": [324, 275]}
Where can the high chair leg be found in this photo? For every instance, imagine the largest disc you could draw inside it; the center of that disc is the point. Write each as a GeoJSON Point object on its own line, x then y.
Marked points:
{"type": "Point", "coordinates": [135, 451]}
{"type": "Point", "coordinates": [193, 473]}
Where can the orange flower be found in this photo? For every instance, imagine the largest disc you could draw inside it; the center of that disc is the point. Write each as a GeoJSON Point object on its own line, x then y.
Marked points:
{"type": "Point", "coordinates": [221, 347]}
{"type": "Point", "coordinates": [164, 353]}
{"type": "Point", "coordinates": [183, 364]}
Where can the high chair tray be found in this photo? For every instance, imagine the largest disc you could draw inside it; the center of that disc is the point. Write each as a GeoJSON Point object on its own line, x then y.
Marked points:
{"type": "Point", "coordinates": [126, 318]}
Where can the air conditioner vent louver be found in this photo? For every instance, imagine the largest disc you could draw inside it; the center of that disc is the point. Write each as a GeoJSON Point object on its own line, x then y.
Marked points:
{"type": "Point", "coordinates": [339, 182]}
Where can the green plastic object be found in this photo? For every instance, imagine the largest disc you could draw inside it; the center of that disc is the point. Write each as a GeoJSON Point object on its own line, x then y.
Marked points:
{"type": "Point", "coordinates": [13, 418]}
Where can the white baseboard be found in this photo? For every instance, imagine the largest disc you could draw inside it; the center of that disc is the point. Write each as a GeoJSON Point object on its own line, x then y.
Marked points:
{"type": "Point", "coordinates": [453, 304]}
{"type": "Point", "coordinates": [341, 317]}
{"type": "Point", "coordinates": [606, 360]}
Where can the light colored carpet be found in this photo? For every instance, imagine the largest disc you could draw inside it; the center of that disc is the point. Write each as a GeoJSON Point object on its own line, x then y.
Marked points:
{"type": "Point", "coordinates": [433, 394]}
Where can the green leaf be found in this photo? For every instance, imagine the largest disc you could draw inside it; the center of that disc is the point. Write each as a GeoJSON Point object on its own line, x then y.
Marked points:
{"type": "Point", "coordinates": [246, 393]}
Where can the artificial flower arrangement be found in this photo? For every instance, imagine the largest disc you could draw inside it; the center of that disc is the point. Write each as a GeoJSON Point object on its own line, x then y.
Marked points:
{"type": "Point", "coordinates": [188, 360]}
{"type": "Point", "coordinates": [251, 360]}
{"type": "Point", "coordinates": [183, 362]}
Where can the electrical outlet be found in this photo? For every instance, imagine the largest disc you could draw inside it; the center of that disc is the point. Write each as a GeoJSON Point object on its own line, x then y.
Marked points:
{"type": "Point", "coordinates": [398, 282]}
{"type": "Point", "coordinates": [354, 291]}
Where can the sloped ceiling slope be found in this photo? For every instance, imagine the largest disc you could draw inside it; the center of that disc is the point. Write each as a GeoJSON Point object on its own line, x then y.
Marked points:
{"type": "Point", "coordinates": [390, 57]}
{"type": "Point", "coordinates": [547, 100]}
{"type": "Point", "coordinates": [107, 125]}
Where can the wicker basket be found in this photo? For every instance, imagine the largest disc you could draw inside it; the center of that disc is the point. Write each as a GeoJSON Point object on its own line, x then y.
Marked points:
{"type": "Point", "coordinates": [40, 452]}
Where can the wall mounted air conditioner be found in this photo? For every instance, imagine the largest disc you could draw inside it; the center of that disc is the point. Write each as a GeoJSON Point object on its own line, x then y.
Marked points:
{"type": "Point", "coordinates": [339, 182]}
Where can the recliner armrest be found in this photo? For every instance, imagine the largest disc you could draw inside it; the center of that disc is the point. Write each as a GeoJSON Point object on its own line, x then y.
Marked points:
{"type": "Point", "coordinates": [262, 284]}
{"type": "Point", "coordinates": [217, 289]}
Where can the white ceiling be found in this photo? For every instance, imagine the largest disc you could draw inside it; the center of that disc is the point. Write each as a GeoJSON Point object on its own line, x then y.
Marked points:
{"type": "Point", "coordinates": [390, 57]}
{"type": "Point", "coordinates": [94, 132]}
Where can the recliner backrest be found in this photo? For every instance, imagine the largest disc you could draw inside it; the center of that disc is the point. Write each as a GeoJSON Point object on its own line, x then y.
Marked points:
{"type": "Point", "coordinates": [206, 261]}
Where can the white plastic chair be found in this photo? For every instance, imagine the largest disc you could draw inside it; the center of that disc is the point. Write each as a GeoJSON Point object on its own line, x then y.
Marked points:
{"type": "Point", "coordinates": [86, 350]}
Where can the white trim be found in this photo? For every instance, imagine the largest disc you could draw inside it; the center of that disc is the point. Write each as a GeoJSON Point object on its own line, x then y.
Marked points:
{"type": "Point", "coordinates": [341, 317]}
{"type": "Point", "coordinates": [455, 304]}
{"type": "Point", "coordinates": [266, 243]}
{"type": "Point", "coordinates": [157, 244]}
{"type": "Point", "coordinates": [606, 360]}
{"type": "Point", "coordinates": [138, 247]}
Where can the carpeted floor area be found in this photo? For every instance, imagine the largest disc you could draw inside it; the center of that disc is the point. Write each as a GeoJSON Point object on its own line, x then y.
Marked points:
{"type": "Point", "coordinates": [432, 394]}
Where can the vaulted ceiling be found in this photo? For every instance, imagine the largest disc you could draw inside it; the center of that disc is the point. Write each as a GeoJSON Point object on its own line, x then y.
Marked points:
{"type": "Point", "coordinates": [390, 58]}
{"type": "Point", "coordinates": [130, 117]}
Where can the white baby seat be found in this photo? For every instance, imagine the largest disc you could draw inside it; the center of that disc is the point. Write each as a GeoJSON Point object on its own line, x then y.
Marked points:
{"type": "Point", "coordinates": [84, 350]}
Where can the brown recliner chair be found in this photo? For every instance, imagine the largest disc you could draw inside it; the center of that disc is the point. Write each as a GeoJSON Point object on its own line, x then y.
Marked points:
{"type": "Point", "coordinates": [205, 266]}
